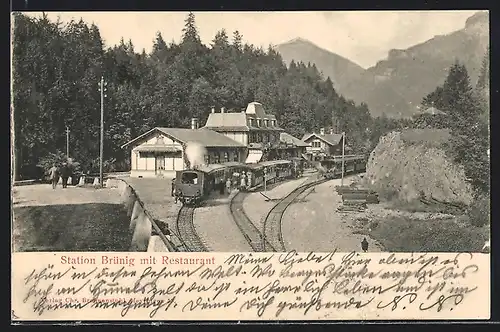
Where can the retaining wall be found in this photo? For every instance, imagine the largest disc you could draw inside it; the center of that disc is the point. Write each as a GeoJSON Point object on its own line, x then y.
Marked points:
{"type": "Point", "coordinates": [142, 224]}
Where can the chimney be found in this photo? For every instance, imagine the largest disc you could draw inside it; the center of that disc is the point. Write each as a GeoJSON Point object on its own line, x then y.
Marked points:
{"type": "Point", "coordinates": [331, 131]}
{"type": "Point", "coordinates": [213, 109]}
{"type": "Point", "coordinates": [322, 131]}
{"type": "Point", "coordinates": [222, 109]}
{"type": "Point", "coordinates": [194, 123]}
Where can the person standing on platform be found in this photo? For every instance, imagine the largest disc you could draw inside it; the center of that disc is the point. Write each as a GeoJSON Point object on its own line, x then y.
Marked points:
{"type": "Point", "coordinates": [249, 180]}
{"type": "Point", "coordinates": [242, 182]}
{"type": "Point", "coordinates": [228, 186]}
{"type": "Point", "coordinates": [54, 175]}
{"type": "Point", "coordinates": [65, 174]}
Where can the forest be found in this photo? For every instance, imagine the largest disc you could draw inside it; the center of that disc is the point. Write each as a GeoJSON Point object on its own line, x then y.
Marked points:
{"type": "Point", "coordinates": [57, 68]}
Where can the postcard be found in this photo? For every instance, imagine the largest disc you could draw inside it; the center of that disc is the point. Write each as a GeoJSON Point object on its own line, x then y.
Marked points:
{"type": "Point", "coordinates": [250, 166]}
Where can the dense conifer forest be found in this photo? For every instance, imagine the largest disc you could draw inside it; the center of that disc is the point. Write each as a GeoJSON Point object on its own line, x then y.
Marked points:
{"type": "Point", "coordinates": [57, 68]}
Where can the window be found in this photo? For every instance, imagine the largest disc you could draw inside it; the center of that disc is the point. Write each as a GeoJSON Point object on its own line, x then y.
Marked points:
{"type": "Point", "coordinates": [217, 158]}
{"type": "Point", "coordinates": [316, 144]}
{"type": "Point", "coordinates": [258, 122]}
{"type": "Point", "coordinates": [226, 156]}
{"type": "Point", "coordinates": [259, 137]}
{"type": "Point", "coordinates": [207, 159]}
{"type": "Point", "coordinates": [189, 178]}
{"type": "Point", "coordinates": [266, 122]}
{"type": "Point", "coordinates": [235, 156]}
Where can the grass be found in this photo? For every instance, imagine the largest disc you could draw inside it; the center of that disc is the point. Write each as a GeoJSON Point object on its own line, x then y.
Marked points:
{"type": "Point", "coordinates": [418, 206]}
{"type": "Point", "coordinates": [74, 227]}
{"type": "Point", "coordinates": [403, 234]}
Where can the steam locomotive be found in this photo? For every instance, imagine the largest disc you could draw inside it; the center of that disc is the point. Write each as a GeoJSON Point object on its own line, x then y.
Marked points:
{"type": "Point", "coordinates": [193, 186]}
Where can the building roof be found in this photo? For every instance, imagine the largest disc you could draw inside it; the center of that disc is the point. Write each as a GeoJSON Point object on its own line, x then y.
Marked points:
{"type": "Point", "coordinates": [223, 120]}
{"type": "Point", "coordinates": [330, 139]}
{"type": "Point", "coordinates": [237, 121]}
{"type": "Point", "coordinates": [289, 139]}
{"type": "Point", "coordinates": [204, 137]}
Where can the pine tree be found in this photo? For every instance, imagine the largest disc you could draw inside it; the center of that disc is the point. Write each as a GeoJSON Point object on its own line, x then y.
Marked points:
{"type": "Point", "coordinates": [458, 99]}
{"type": "Point", "coordinates": [159, 45]}
{"type": "Point", "coordinates": [483, 81]}
{"type": "Point", "coordinates": [190, 32]}
{"type": "Point", "coordinates": [470, 139]}
{"type": "Point", "coordinates": [237, 40]}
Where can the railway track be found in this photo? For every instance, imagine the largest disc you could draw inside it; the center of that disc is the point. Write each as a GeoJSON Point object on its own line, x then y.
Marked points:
{"type": "Point", "coordinates": [246, 226]}
{"type": "Point", "coordinates": [187, 232]}
{"type": "Point", "coordinates": [272, 223]}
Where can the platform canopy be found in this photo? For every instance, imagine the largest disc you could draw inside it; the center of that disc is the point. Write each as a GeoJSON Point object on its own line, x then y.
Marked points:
{"type": "Point", "coordinates": [157, 148]}
{"type": "Point", "coordinates": [254, 156]}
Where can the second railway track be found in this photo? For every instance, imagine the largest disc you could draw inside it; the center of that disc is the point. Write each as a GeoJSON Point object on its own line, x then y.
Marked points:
{"type": "Point", "coordinates": [187, 232]}
{"type": "Point", "coordinates": [270, 239]}
{"type": "Point", "coordinates": [246, 226]}
{"type": "Point", "coordinates": [272, 223]}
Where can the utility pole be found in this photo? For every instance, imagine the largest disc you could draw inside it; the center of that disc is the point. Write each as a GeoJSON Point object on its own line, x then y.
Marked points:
{"type": "Point", "coordinates": [343, 163]}
{"type": "Point", "coordinates": [265, 176]}
{"type": "Point", "coordinates": [102, 89]}
{"type": "Point", "coordinates": [67, 142]}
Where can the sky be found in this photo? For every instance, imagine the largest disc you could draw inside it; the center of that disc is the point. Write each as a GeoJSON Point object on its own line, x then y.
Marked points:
{"type": "Point", "coordinates": [362, 37]}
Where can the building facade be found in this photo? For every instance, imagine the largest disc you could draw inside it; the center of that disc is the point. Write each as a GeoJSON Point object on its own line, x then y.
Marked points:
{"type": "Point", "coordinates": [254, 128]}
{"type": "Point", "coordinates": [161, 152]}
{"type": "Point", "coordinates": [291, 147]}
{"type": "Point", "coordinates": [323, 145]}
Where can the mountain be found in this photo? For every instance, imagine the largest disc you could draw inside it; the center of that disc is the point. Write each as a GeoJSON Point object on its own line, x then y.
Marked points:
{"type": "Point", "coordinates": [395, 86]}
{"type": "Point", "coordinates": [340, 70]}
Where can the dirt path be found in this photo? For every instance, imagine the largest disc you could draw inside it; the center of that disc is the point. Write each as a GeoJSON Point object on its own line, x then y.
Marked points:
{"type": "Point", "coordinates": [312, 223]}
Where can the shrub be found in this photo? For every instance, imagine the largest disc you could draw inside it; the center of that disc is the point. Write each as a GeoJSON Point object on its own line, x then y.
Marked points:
{"type": "Point", "coordinates": [479, 212]}
{"type": "Point", "coordinates": [437, 235]}
{"type": "Point", "coordinates": [58, 158]}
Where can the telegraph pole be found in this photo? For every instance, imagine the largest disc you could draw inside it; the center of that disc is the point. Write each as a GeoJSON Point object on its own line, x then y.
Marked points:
{"type": "Point", "coordinates": [102, 89]}
{"type": "Point", "coordinates": [265, 176]}
{"type": "Point", "coordinates": [67, 142]}
{"type": "Point", "coordinates": [343, 163]}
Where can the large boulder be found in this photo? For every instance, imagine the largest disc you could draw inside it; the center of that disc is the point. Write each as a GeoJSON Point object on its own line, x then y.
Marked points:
{"type": "Point", "coordinates": [412, 164]}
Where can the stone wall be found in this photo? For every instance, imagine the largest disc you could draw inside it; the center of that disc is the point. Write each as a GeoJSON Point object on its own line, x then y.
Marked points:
{"type": "Point", "coordinates": [141, 222]}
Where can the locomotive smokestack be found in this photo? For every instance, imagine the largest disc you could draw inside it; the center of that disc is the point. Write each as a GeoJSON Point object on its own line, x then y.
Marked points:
{"type": "Point", "coordinates": [194, 123]}
{"type": "Point", "coordinates": [322, 131]}
{"type": "Point", "coordinates": [213, 109]}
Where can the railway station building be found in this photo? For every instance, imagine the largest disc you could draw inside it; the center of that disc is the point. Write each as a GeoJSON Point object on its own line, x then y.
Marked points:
{"type": "Point", "coordinates": [323, 145]}
{"type": "Point", "coordinates": [257, 130]}
{"type": "Point", "coordinates": [161, 151]}
{"type": "Point", "coordinates": [291, 147]}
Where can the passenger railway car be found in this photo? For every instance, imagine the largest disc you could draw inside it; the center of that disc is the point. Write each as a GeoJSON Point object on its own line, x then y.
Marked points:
{"type": "Point", "coordinates": [195, 185]}
{"type": "Point", "coordinates": [352, 164]}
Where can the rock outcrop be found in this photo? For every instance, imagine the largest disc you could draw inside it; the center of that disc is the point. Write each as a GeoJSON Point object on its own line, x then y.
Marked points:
{"type": "Point", "coordinates": [412, 164]}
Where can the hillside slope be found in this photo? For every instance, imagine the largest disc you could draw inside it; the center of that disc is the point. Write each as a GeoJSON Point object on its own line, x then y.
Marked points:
{"type": "Point", "coordinates": [340, 70]}
{"type": "Point", "coordinates": [395, 86]}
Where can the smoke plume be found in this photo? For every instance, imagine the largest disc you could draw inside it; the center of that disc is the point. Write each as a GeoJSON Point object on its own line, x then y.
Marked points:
{"type": "Point", "coordinates": [195, 154]}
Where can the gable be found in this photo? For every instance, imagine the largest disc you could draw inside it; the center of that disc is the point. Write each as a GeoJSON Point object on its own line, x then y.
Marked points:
{"type": "Point", "coordinates": [158, 139]}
